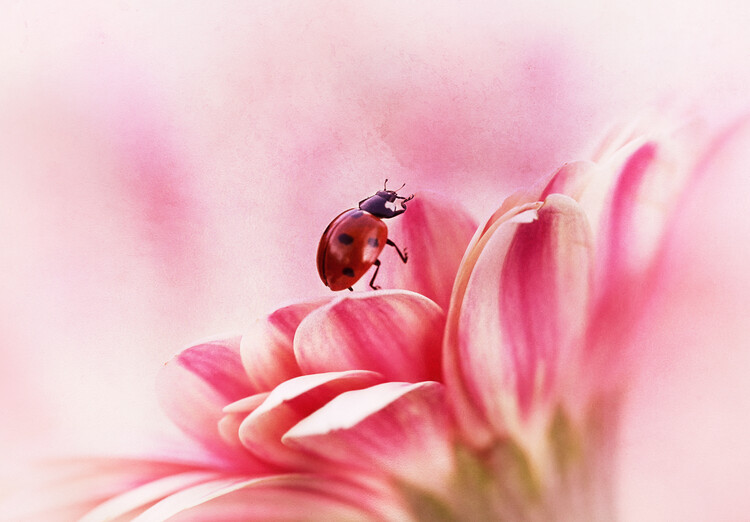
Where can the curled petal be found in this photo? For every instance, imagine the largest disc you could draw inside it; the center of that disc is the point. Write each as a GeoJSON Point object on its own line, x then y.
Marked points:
{"type": "Point", "coordinates": [399, 429]}
{"type": "Point", "coordinates": [247, 404]}
{"type": "Point", "coordinates": [395, 333]}
{"type": "Point", "coordinates": [197, 383]}
{"type": "Point", "coordinates": [522, 197]}
{"type": "Point", "coordinates": [289, 403]}
{"type": "Point", "coordinates": [524, 312]}
{"type": "Point", "coordinates": [267, 347]}
{"type": "Point", "coordinates": [234, 414]}
{"type": "Point", "coordinates": [436, 231]}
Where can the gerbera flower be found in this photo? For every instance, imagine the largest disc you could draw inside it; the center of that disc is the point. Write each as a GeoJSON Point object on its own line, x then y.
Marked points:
{"type": "Point", "coordinates": [485, 384]}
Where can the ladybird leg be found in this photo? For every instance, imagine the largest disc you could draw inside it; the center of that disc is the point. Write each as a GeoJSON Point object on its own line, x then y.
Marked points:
{"type": "Point", "coordinates": [351, 289]}
{"type": "Point", "coordinates": [404, 257]}
{"type": "Point", "coordinates": [372, 281]}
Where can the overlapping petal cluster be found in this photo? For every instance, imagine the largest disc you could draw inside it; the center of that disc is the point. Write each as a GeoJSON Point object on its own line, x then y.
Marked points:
{"type": "Point", "coordinates": [485, 384]}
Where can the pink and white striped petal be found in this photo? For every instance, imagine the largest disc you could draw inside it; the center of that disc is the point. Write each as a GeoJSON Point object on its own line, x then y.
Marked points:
{"type": "Point", "coordinates": [290, 402]}
{"type": "Point", "coordinates": [197, 384]}
{"type": "Point", "coordinates": [640, 177]}
{"type": "Point", "coordinates": [278, 497]}
{"type": "Point", "coordinates": [466, 410]}
{"type": "Point", "coordinates": [436, 231]}
{"type": "Point", "coordinates": [267, 347]}
{"type": "Point", "coordinates": [193, 496]}
{"type": "Point", "coordinates": [393, 332]}
{"type": "Point", "coordinates": [394, 429]}
{"type": "Point", "coordinates": [68, 489]}
{"type": "Point", "coordinates": [691, 399]}
{"type": "Point", "coordinates": [644, 195]}
{"type": "Point", "coordinates": [134, 501]}
{"type": "Point", "coordinates": [648, 186]}
{"type": "Point", "coordinates": [524, 312]}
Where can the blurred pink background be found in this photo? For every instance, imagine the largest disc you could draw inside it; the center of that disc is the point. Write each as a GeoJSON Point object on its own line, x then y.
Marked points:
{"type": "Point", "coordinates": [167, 172]}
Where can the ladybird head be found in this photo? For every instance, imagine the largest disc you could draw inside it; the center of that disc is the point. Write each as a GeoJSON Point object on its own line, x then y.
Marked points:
{"type": "Point", "coordinates": [385, 203]}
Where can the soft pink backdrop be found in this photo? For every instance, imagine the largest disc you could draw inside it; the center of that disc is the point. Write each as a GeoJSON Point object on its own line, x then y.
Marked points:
{"type": "Point", "coordinates": [167, 170]}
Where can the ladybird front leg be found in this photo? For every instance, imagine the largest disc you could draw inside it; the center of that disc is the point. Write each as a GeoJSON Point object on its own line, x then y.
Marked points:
{"type": "Point", "coordinates": [404, 257]}
{"type": "Point", "coordinates": [372, 281]}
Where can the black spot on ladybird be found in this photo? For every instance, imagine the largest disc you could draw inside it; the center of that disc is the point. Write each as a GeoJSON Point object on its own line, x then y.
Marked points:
{"type": "Point", "coordinates": [348, 272]}
{"type": "Point", "coordinates": [373, 242]}
{"type": "Point", "coordinates": [345, 239]}
{"type": "Point", "coordinates": [357, 214]}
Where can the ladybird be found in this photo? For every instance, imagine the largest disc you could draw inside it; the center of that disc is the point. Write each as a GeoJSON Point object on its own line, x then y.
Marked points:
{"type": "Point", "coordinates": [353, 241]}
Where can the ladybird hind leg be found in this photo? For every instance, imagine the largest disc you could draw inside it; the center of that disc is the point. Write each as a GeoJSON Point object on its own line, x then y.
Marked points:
{"type": "Point", "coordinates": [372, 281]}
{"type": "Point", "coordinates": [404, 256]}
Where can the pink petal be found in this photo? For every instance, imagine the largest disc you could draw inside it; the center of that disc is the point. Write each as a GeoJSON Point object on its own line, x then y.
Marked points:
{"type": "Point", "coordinates": [398, 429]}
{"type": "Point", "coordinates": [571, 180]}
{"type": "Point", "coordinates": [638, 180]}
{"type": "Point", "coordinates": [545, 286]}
{"type": "Point", "coordinates": [465, 408]}
{"type": "Point", "coordinates": [621, 240]}
{"type": "Point", "coordinates": [195, 386]}
{"type": "Point", "coordinates": [133, 501]}
{"type": "Point", "coordinates": [524, 312]}
{"type": "Point", "coordinates": [436, 231]}
{"type": "Point", "coordinates": [691, 400]}
{"type": "Point", "coordinates": [596, 197]}
{"type": "Point", "coordinates": [290, 402]}
{"type": "Point", "coordinates": [393, 332]}
{"type": "Point", "coordinates": [68, 489]}
{"type": "Point", "coordinates": [234, 414]}
{"type": "Point", "coordinates": [247, 404]}
{"type": "Point", "coordinates": [622, 135]}
{"type": "Point", "coordinates": [192, 496]}
{"type": "Point", "coordinates": [523, 199]}
{"type": "Point", "coordinates": [267, 351]}
{"type": "Point", "coordinates": [280, 497]}
{"type": "Point", "coordinates": [645, 195]}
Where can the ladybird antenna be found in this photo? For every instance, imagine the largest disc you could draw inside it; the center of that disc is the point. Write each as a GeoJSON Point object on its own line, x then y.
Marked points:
{"type": "Point", "coordinates": [385, 184]}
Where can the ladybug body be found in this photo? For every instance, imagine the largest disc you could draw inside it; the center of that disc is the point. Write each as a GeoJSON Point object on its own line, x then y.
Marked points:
{"type": "Point", "coordinates": [349, 247]}
{"type": "Point", "coordinates": [353, 241]}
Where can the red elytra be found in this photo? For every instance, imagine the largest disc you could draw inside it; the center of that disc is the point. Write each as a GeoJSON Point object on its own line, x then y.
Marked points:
{"type": "Point", "coordinates": [353, 241]}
